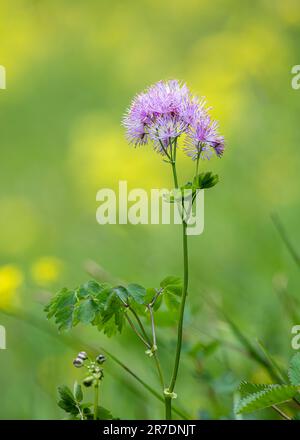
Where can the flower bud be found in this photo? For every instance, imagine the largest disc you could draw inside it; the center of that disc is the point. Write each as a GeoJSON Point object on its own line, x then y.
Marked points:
{"type": "Point", "coordinates": [100, 359]}
{"type": "Point", "coordinates": [78, 362]}
{"type": "Point", "coordinates": [82, 355]}
{"type": "Point", "coordinates": [87, 382]}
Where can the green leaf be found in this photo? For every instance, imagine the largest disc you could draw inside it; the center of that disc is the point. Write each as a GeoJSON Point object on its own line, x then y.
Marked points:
{"type": "Point", "coordinates": [122, 293]}
{"type": "Point", "coordinates": [93, 303]}
{"type": "Point", "coordinates": [67, 401]}
{"type": "Point", "coordinates": [266, 397]}
{"type": "Point", "coordinates": [172, 284]}
{"type": "Point", "coordinates": [104, 414]}
{"type": "Point", "coordinates": [171, 280]}
{"type": "Point", "coordinates": [150, 294]}
{"type": "Point", "coordinates": [205, 180]}
{"type": "Point", "coordinates": [62, 307]}
{"type": "Point", "coordinates": [294, 370]}
{"type": "Point", "coordinates": [119, 319]}
{"type": "Point", "coordinates": [78, 392]}
{"type": "Point", "coordinates": [171, 301]}
{"type": "Point", "coordinates": [86, 311]}
{"type": "Point", "coordinates": [137, 292]}
{"type": "Point", "coordinates": [247, 388]}
{"type": "Point", "coordinates": [158, 303]}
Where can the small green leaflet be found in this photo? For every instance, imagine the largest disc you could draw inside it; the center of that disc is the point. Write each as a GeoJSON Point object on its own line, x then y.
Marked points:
{"type": "Point", "coordinates": [137, 292]}
{"type": "Point", "coordinates": [78, 392]}
{"type": "Point", "coordinates": [67, 401]}
{"type": "Point", "coordinates": [264, 396]}
{"type": "Point", "coordinates": [205, 180]}
{"type": "Point", "coordinates": [173, 285]}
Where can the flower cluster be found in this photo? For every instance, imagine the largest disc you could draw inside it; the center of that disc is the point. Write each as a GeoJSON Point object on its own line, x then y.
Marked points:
{"type": "Point", "coordinates": [167, 110]}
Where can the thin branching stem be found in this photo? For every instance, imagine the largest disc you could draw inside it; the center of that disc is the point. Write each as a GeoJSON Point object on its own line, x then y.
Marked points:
{"type": "Point", "coordinates": [137, 332]}
{"type": "Point", "coordinates": [76, 343]}
{"type": "Point", "coordinates": [154, 346]}
{"type": "Point", "coordinates": [140, 325]}
{"type": "Point", "coordinates": [281, 413]}
{"type": "Point", "coordinates": [152, 326]}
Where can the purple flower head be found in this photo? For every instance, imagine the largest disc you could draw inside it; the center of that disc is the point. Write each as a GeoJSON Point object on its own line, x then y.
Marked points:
{"type": "Point", "coordinates": [164, 129]}
{"type": "Point", "coordinates": [164, 112]}
{"type": "Point", "coordinates": [203, 139]}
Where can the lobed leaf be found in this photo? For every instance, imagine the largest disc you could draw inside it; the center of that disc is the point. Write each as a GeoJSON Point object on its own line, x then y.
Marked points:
{"type": "Point", "coordinates": [67, 401]}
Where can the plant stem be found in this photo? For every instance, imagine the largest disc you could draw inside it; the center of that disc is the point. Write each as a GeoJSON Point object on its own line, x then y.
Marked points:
{"type": "Point", "coordinates": [140, 324]}
{"type": "Point", "coordinates": [197, 164]}
{"type": "Point", "coordinates": [280, 412]}
{"type": "Point", "coordinates": [76, 343]}
{"type": "Point", "coordinates": [96, 399]}
{"type": "Point", "coordinates": [165, 150]}
{"type": "Point", "coordinates": [182, 307]}
{"type": "Point", "coordinates": [136, 332]}
{"type": "Point", "coordinates": [152, 326]}
{"type": "Point", "coordinates": [174, 174]}
{"type": "Point", "coordinates": [147, 340]}
{"type": "Point", "coordinates": [159, 370]}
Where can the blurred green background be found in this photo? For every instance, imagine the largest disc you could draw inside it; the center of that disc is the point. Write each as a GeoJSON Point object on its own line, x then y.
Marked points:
{"type": "Point", "coordinates": [72, 69]}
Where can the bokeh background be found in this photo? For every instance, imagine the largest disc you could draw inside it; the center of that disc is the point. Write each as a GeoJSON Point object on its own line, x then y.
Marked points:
{"type": "Point", "coordinates": [72, 69]}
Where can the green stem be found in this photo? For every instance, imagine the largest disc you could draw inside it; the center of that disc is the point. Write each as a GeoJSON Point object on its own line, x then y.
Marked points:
{"type": "Point", "coordinates": [175, 150]}
{"type": "Point", "coordinates": [96, 400]}
{"type": "Point", "coordinates": [197, 164]}
{"type": "Point", "coordinates": [181, 311]}
{"type": "Point", "coordinates": [159, 370]}
{"type": "Point", "coordinates": [140, 325]}
{"type": "Point", "coordinates": [136, 332]}
{"type": "Point", "coordinates": [75, 343]}
{"type": "Point", "coordinates": [155, 355]}
{"type": "Point", "coordinates": [165, 150]}
{"type": "Point", "coordinates": [281, 413]}
{"type": "Point", "coordinates": [152, 326]}
{"type": "Point", "coordinates": [168, 405]}
{"type": "Point", "coordinates": [175, 174]}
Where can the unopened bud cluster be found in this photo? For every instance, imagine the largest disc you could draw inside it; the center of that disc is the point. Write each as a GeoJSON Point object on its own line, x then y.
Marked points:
{"type": "Point", "coordinates": [95, 372]}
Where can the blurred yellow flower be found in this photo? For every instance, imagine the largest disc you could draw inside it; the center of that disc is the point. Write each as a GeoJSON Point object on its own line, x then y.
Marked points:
{"type": "Point", "coordinates": [11, 278]}
{"type": "Point", "coordinates": [46, 270]}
